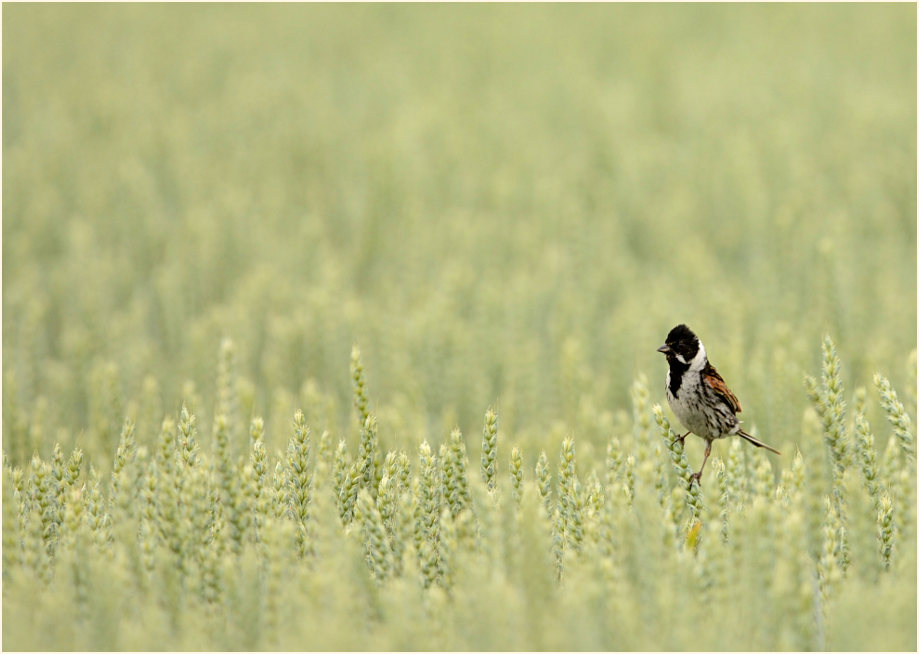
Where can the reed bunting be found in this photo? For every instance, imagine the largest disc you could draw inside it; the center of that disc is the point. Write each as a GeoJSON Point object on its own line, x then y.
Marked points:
{"type": "Point", "coordinates": [698, 395]}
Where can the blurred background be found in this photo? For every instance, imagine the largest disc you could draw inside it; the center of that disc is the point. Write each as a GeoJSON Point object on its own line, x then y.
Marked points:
{"type": "Point", "coordinates": [501, 205]}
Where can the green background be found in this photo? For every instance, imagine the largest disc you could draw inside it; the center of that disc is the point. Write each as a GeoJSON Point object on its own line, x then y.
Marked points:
{"type": "Point", "coordinates": [507, 204]}
{"type": "Point", "coordinates": [501, 205]}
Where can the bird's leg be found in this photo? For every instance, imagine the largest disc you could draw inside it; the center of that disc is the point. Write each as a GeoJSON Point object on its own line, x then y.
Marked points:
{"type": "Point", "coordinates": [698, 475]}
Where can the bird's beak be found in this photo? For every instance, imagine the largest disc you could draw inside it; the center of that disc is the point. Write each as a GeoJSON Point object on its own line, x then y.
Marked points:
{"type": "Point", "coordinates": [663, 349]}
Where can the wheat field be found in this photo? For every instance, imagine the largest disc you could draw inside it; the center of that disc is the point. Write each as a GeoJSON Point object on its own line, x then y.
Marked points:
{"type": "Point", "coordinates": [333, 327]}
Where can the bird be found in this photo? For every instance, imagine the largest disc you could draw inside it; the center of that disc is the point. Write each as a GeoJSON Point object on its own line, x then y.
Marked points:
{"type": "Point", "coordinates": [698, 396]}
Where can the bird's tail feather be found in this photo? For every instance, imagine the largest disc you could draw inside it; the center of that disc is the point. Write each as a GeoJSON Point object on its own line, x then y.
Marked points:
{"type": "Point", "coordinates": [756, 441]}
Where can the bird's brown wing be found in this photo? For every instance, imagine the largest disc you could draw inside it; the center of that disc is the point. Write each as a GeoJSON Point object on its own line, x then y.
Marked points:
{"type": "Point", "coordinates": [714, 380]}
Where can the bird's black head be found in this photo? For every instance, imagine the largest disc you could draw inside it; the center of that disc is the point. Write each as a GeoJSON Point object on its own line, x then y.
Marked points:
{"type": "Point", "coordinates": [681, 345]}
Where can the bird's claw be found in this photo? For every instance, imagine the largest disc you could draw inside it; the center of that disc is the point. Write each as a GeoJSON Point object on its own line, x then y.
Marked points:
{"type": "Point", "coordinates": [696, 477]}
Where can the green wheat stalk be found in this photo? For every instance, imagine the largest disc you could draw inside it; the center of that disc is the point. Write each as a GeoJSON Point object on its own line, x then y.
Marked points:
{"type": "Point", "coordinates": [427, 513]}
{"type": "Point", "coordinates": [387, 506]}
{"type": "Point", "coordinates": [73, 468]}
{"type": "Point", "coordinates": [830, 405]}
{"type": "Point", "coordinates": [391, 469]}
{"type": "Point", "coordinates": [375, 543]}
{"type": "Point", "coordinates": [886, 529]}
{"type": "Point", "coordinates": [405, 472]}
{"type": "Point", "coordinates": [570, 523]}
{"type": "Point", "coordinates": [490, 449]}
{"type": "Point", "coordinates": [359, 386]}
{"type": "Point", "coordinates": [299, 481]}
{"type": "Point", "coordinates": [187, 438]}
{"type": "Point", "coordinates": [455, 477]}
{"type": "Point", "coordinates": [340, 467]}
{"type": "Point", "coordinates": [629, 488]}
{"type": "Point", "coordinates": [368, 455]}
{"type": "Point", "coordinates": [347, 497]}
{"type": "Point", "coordinates": [46, 502]}
{"type": "Point", "coordinates": [516, 472]}
{"type": "Point", "coordinates": [57, 472]}
{"type": "Point", "coordinates": [280, 494]}
{"type": "Point", "coordinates": [897, 416]}
{"type": "Point", "coordinates": [22, 498]}
{"type": "Point", "coordinates": [255, 476]}
{"type": "Point", "coordinates": [124, 457]}
{"type": "Point", "coordinates": [98, 518]}
{"type": "Point", "coordinates": [829, 571]}
{"type": "Point", "coordinates": [692, 492]}
{"type": "Point", "coordinates": [864, 446]}
{"type": "Point", "coordinates": [544, 482]}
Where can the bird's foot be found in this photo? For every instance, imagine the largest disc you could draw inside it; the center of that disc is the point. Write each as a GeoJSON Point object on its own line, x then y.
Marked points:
{"type": "Point", "coordinates": [681, 439]}
{"type": "Point", "coordinates": [696, 477]}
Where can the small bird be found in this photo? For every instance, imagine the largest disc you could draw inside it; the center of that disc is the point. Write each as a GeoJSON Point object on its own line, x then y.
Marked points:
{"type": "Point", "coordinates": [698, 395]}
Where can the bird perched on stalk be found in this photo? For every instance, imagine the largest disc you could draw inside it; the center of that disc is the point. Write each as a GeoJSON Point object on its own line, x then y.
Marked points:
{"type": "Point", "coordinates": [698, 395]}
